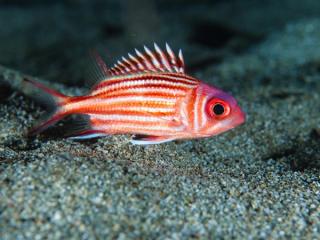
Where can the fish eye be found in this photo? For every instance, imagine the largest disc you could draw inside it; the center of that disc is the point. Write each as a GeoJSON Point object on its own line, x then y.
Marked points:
{"type": "Point", "coordinates": [218, 108]}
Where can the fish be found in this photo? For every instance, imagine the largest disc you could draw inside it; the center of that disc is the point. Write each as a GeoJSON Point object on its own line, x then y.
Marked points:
{"type": "Point", "coordinates": [147, 94]}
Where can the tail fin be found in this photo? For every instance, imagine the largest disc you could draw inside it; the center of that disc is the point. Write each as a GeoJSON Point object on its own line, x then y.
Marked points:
{"type": "Point", "coordinates": [52, 100]}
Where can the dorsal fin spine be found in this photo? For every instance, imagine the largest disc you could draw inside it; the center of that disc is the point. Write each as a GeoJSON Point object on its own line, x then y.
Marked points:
{"type": "Point", "coordinates": [131, 66]}
{"type": "Point", "coordinates": [173, 58]}
{"type": "Point", "coordinates": [171, 54]}
{"type": "Point", "coordinates": [124, 65]}
{"type": "Point", "coordinates": [117, 70]}
{"type": "Point", "coordinates": [145, 60]}
{"type": "Point", "coordinates": [153, 58]}
{"type": "Point", "coordinates": [139, 65]}
{"type": "Point", "coordinates": [181, 61]}
{"type": "Point", "coordinates": [163, 57]}
{"type": "Point", "coordinates": [121, 67]}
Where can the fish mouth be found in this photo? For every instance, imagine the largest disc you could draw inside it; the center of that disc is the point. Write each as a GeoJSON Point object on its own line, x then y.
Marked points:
{"type": "Point", "coordinates": [239, 118]}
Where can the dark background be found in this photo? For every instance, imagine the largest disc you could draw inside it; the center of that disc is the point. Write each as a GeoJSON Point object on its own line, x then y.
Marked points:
{"type": "Point", "coordinates": [51, 39]}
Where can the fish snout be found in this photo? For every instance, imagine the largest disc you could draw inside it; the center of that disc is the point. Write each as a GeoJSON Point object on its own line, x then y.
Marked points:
{"type": "Point", "coordinates": [239, 117]}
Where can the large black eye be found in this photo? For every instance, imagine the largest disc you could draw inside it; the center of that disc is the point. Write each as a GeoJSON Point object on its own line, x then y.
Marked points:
{"type": "Point", "coordinates": [218, 109]}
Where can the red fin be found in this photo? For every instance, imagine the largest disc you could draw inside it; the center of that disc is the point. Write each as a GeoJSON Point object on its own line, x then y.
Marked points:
{"type": "Point", "coordinates": [51, 99]}
{"type": "Point", "coordinates": [148, 140]}
{"type": "Point", "coordinates": [150, 61]}
{"type": "Point", "coordinates": [55, 95]}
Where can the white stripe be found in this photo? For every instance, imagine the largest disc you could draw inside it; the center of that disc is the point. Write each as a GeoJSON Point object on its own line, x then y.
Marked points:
{"type": "Point", "coordinates": [143, 109]}
{"type": "Point", "coordinates": [96, 102]}
{"type": "Point", "coordinates": [105, 103]}
{"type": "Point", "coordinates": [184, 113]}
{"type": "Point", "coordinates": [130, 99]}
{"type": "Point", "coordinates": [141, 90]}
{"type": "Point", "coordinates": [143, 75]}
{"type": "Point", "coordinates": [126, 117]}
{"type": "Point", "coordinates": [202, 110]}
{"type": "Point", "coordinates": [120, 85]}
{"type": "Point", "coordinates": [179, 78]}
{"type": "Point", "coordinates": [136, 128]}
{"type": "Point", "coordinates": [195, 111]}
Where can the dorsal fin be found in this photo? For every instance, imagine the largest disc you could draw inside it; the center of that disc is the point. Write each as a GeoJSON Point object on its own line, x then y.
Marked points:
{"type": "Point", "coordinates": [149, 61]}
{"type": "Point", "coordinates": [98, 70]}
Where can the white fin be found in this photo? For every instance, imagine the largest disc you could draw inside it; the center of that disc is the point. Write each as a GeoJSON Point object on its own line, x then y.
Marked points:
{"type": "Point", "coordinates": [149, 140]}
{"type": "Point", "coordinates": [88, 136]}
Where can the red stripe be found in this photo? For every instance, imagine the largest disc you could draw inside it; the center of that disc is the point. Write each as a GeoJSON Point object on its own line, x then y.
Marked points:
{"type": "Point", "coordinates": [116, 127]}
{"type": "Point", "coordinates": [148, 76]}
{"type": "Point", "coordinates": [104, 96]}
{"type": "Point", "coordinates": [130, 112]}
{"type": "Point", "coordinates": [97, 121]}
{"type": "Point", "coordinates": [152, 86]}
{"type": "Point", "coordinates": [86, 107]}
{"type": "Point", "coordinates": [180, 75]}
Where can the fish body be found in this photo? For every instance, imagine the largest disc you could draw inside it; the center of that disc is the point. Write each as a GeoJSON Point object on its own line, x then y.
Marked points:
{"type": "Point", "coordinates": [148, 95]}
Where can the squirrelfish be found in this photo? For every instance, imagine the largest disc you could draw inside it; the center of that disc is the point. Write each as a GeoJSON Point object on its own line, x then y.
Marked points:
{"type": "Point", "coordinates": [149, 95]}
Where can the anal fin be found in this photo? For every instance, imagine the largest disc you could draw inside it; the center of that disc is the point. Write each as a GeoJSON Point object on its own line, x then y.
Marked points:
{"type": "Point", "coordinates": [88, 134]}
{"type": "Point", "coordinates": [148, 140]}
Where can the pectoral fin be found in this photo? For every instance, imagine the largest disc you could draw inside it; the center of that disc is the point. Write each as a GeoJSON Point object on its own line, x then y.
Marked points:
{"type": "Point", "coordinates": [148, 140]}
